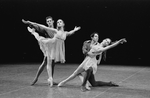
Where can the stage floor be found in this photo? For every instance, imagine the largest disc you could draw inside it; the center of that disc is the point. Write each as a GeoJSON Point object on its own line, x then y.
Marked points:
{"type": "Point", "coordinates": [15, 82]}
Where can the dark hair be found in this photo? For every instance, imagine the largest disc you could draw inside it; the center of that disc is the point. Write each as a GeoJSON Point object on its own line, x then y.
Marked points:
{"type": "Point", "coordinates": [92, 35]}
{"type": "Point", "coordinates": [48, 17]}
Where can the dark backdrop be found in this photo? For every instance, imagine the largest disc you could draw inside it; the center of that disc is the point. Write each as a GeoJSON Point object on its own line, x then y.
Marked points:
{"type": "Point", "coordinates": [114, 19]}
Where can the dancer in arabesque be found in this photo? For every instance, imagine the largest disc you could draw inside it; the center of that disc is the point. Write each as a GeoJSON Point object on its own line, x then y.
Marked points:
{"type": "Point", "coordinates": [58, 55]}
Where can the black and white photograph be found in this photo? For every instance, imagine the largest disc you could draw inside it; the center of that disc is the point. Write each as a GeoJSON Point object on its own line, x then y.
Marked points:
{"type": "Point", "coordinates": [74, 49]}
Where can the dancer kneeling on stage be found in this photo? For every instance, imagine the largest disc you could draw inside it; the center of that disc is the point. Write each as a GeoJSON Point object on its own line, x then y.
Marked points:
{"type": "Point", "coordinates": [89, 65]}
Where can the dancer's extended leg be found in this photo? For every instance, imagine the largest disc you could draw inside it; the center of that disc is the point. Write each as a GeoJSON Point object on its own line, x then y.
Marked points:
{"type": "Point", "coordinates": [49, 71]}
{"type": "Point", "coordinates": [95, 83]}
{"type": "Point", "coordinates": [76, 72]}
{"type": "Point", "coordinates": [41, 68]}
{"type": "Point", "coordinates": [53, 66]}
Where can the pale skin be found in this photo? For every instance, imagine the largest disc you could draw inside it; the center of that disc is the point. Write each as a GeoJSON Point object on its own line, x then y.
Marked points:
{"type": "Point", "coordinates": [80, 69]}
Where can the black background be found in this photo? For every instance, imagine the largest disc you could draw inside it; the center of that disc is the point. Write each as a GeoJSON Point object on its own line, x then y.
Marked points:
{"type": "Point", "coordinates": [114, 19]}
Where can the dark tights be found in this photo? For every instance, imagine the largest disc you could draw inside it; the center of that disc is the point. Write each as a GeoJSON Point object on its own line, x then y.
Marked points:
{"type": "Point", "coordinates": [89, 76]}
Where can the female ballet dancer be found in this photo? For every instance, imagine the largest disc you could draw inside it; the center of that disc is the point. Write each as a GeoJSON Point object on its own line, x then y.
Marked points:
{"type": "Point", "coordinates": [91, 62]}
{"type": "Point", "coordinates": [49, 21]}
{"type": "Point", "coordinates": [58, 55]}
{"type": "Point", "coordinates": [86, 48]}
{"type": "Point", "coordinates": [89, 75]}
{"type": "Point", "coordinates": [47, 47]}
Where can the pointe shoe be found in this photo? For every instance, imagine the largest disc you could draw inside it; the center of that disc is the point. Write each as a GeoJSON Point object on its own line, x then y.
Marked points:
{"type": "Point", "coordinates": [50, 82]}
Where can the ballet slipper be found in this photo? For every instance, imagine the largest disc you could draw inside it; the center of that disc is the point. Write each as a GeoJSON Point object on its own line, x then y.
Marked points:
{"type": "Point", "coordinates": [50, 82]}
{"type": "Point", "coordinates": [87, 86]}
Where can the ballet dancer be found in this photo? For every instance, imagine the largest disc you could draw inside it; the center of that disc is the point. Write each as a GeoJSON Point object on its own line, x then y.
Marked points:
{"type": "Point", "coordinates": [58, 55]}
{"type": "Point", "coordinates": [90, 62]}
{"type": "Point", "coordinates": [44, 45]}
{"type": "Point", "coordinates": [49, 21]}
{"type": "Point", "coordinates": [89, 75]}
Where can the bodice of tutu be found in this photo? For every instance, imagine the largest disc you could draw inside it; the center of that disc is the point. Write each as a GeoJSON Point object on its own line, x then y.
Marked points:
{"type": "Point", "coordinates": [95, 48]}
{"type": "Point", "coordinates": [61, 35]}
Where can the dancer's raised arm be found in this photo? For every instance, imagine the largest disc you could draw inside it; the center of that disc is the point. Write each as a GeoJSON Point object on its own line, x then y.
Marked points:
{"type": "Point", "coordinates": [114, 44]}
{"type": "Point", "coordinates": [74, 30]}
{"type": "Point", "coordinates": [102, 49]}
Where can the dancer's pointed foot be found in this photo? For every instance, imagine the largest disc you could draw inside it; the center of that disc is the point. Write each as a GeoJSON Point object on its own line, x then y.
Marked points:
{"type": "Point", "coordinates": [35, 80]}
{"type": "Point", "coordinates": [87, 86]}
{"type": "Point", "coordinates": [83, 89]}
{"type": "Point", "coordinates": [50, 82]}
{"type": "Point", "coordinates": [61, 84]}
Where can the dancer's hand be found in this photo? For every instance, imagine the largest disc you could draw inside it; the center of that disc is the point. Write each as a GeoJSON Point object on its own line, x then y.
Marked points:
{"type": "Point", "coordinates": [77, 28]}
{"type": "Point", "coordinates": [123, 40]}
{"type": "Point", "coordinates": [25, 21]}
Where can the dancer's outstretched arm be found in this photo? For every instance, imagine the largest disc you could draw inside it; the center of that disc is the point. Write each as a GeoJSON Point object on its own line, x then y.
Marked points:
{"type": "Point", "coordinates": [108, 47]}
{"type": "Point", "coordinates": [72, 31]}
{"type": "Point", "coordinates": [114, 44]}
